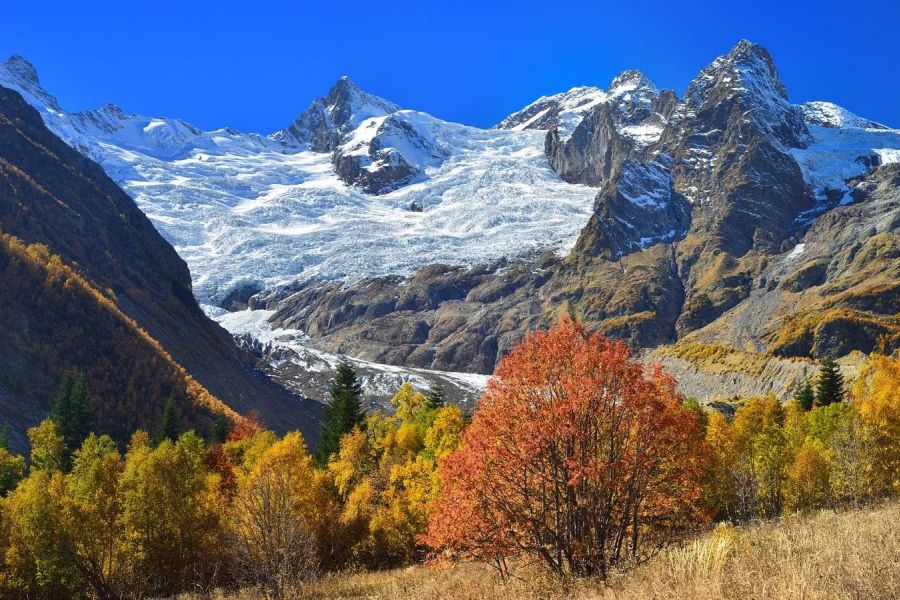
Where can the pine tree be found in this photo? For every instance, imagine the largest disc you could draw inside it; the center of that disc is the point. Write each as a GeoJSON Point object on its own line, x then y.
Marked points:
{"type": "Point", "coordinates": [170, 426]}
{"type": "Point", "coordinates": [343, 413]}
{"type": "Point", "coordinates": [71, 412]}
{"type": "Point", "coordinates": [804, 395]}
{"type": "Point", "coordinates": [4, 436]}
{"type": "Point", "coordinates": [437, 398]}
{"type": "Point", "coordinates": [830, 385]}
{"type": "Point", "coordinates": [220, 430]}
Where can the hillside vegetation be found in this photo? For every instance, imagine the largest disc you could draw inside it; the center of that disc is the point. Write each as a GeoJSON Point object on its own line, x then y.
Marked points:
{"type": "Point", "coordinates": [63, 319]}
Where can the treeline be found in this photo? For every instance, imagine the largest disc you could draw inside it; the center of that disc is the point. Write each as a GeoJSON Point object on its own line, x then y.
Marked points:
{"type": "Point", "coordinates": [578, 457]}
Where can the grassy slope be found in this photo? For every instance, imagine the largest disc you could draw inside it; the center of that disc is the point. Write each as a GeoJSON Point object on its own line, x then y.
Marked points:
{"type": "Point", "coordinates": [853, 554]}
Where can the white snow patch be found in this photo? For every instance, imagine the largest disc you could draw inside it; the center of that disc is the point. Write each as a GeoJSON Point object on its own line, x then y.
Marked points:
{"type": "Point", "coordinates": [796, 252]}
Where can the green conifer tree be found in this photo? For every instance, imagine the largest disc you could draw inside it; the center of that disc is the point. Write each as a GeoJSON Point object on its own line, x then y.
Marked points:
{"type": "Point", "coordinates": [71, 412]}
{"type": "Point", "coordinates": [343, 413]}
{"type": "Point", "coordinates": [805, 395]}
{"type": "Point", "coordinates": [220, 430]}
{"type": "Point", "coordinates": [4, 436]}
{"type": "Point", "coordinates": [170, 425]}
{"type": "Point", "coordinates": [830, 384]}
{"type": "Point", "coordinates": [437, 398]}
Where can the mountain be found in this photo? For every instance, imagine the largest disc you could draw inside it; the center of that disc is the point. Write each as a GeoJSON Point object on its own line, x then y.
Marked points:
{"type": "Point", "coordinates": [728, 219]}
{"type": "Point", "coordinates": [91, 286]}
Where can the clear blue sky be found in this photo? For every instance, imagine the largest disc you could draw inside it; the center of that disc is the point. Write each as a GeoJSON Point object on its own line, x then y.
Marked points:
{"type": "Point", "coordinates": [254, 65]}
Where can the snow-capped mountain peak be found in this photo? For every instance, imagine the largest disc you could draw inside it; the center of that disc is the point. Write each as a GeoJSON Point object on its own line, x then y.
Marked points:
{"type": "Point", "coordinates": [747, 70]}
{"type": "Point", "coordinates": [328, 119]}
{"type": "Point", "coordinates": [348, 104]}
{"type": "Point", "coordinates": [746, 77]}
{"type": "Point", "coordinates": [630, 80]}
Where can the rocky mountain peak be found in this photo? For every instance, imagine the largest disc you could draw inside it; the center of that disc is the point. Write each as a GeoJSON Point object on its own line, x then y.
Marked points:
{"type": "Point", "coordinates": [19, 74]}
{"type": "Point", "coordinates": [22, 69]}
{"type": "Point", "coordinates": [629, 81]}
{"type": "Point", "coordinates": [747, 70]}
{"type": "Point", "coordinates": [322, 126]}
{"type": "Point", "coordinates": [348, 104]}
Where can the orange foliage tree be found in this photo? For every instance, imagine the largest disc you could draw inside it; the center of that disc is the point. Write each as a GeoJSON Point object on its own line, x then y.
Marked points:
{"type": "Point", "coordinates": [577, 456]}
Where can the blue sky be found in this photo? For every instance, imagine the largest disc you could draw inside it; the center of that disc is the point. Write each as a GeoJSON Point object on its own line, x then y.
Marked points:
{"type": "Point", "coordinates": [255, 65]}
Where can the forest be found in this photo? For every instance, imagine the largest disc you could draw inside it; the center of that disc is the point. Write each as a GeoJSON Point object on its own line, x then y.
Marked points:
{"type": "Point", "coordinates": [578, 461]}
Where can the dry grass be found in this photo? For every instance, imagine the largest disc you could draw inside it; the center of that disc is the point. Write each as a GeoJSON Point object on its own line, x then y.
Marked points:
{"type": "Point", "coordinates": [827, 556]}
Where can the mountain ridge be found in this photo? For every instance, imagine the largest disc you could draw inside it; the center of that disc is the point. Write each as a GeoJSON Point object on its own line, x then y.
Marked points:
{"type": "Point", "coordinates": [670, 215]}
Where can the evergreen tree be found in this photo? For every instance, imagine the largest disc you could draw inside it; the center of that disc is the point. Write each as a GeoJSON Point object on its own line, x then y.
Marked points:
{"type": "Point", "coordinates": [437, 398]}
{"type": "Point", "coordinates": [220, 430]}
{"type": "Point", "coordinates": [170, 426]}
{"type": "Point", "coordinates": [4, 436]}
{"type": "Point", "coordinates": [71, 412]}
{"type": "Point", "coordinates": [805, 395]}
{"type": "Point", "coordinates": [830, 385]}
{"type": "Point", "coordinates": [343, 413]}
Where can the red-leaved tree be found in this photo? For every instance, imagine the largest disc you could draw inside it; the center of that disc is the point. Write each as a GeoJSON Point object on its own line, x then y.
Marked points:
{"type": "Point", "coordinates": [577, 455]}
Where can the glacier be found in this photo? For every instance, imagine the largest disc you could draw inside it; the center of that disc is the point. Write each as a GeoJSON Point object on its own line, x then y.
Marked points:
{"type": "Point", "coordinates": [252, 210]}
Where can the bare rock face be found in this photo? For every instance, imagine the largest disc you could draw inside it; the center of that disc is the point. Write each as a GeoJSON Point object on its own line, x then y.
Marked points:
{"type": "Point", "coordinates": [444, 318]}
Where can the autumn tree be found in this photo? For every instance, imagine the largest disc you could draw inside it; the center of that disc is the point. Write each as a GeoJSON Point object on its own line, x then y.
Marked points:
{"type": "Point", "coordinates": [830, 383]}
{"type": "Point", "coordinates": [48, 448]}
{"type": "Point", "coordinates": [283, 519]}
{"type": "Point", "coordinates": [12, 469]}
{"type": "Point", "coordinates": [343, 413]}
{"type": "Point", "coordinates": [807, 485]}
{"type": "Point", "coordinates": [386, 476]}
{"type": "Point", "coordinates": [93, 508]}
{"type": "Point", "coordinates": [172, 514]}
{"type": "Point", "coordinates": [578, 456]}
{"type": "Point", "coordinates": [39, 562]}
{"type": "Point", "coordinates": [877, 396]}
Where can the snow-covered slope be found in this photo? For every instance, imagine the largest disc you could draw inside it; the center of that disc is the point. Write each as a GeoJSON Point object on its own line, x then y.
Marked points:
{"type": "Point", "coordinates": [564, 110]}
{"type": "Point", "coordinates": [245, 209]}
{"type": "Point", "coordinates": [842, 145]}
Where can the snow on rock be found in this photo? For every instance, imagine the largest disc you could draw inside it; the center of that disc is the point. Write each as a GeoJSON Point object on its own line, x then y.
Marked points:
{"type": "Point", "coordinates": [288, 351]}
{"type": "Point", "coordinates": [564, 111]}
{"type": "Point", "coordinates": [826, 114]}
{"type": "Point", "coordinates": [646, 184]}
{"type": "Point", "coordinates": [643, 134]}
